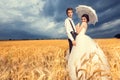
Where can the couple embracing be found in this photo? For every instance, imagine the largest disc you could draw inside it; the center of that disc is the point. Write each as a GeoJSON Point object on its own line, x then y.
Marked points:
{"type": "Point", "coordinates": [86, 59]}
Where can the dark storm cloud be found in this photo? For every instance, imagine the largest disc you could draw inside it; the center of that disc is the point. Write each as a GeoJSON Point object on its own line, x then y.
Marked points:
{"type": "Point", "coordinates": [23, 19]}
{"type": "Point", "coordinates": [45, 18]}
{"type": "Point", "coordinates": [18, 30]}
{"type": "Point", "coordinates": [103, 8]}
{"type": "Point", "coordinates": [107, 11]}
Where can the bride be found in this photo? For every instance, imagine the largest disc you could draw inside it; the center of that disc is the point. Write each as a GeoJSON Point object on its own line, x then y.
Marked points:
{"type": "Point", "coordinates": [87, 61]}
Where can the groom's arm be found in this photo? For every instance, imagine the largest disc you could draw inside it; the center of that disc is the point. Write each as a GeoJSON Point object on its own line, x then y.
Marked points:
{"type": "Point", "coordinates": [68, 29]}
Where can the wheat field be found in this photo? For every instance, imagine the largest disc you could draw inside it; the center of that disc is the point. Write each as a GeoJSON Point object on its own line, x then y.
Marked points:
{"type": "Point", "coordinates": [45, 59]}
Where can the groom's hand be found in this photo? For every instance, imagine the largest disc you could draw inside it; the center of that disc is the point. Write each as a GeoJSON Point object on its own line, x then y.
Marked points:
{"type": "Point", "coordinates": [74, 43]}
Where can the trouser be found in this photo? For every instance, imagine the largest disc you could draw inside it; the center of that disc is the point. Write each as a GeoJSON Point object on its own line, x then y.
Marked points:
{"type": "Point", "coordinates": [70, 45]}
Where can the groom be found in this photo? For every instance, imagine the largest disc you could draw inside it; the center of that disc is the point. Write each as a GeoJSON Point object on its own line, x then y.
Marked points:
{"type": "Point", "coordinates": [70, 27]}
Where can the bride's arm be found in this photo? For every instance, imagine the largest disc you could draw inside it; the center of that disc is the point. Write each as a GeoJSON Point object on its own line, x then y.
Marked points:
{"type": "Point", "coordinates": [79, 28]}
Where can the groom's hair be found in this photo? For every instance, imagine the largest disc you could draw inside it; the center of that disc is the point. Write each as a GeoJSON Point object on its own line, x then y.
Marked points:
{"type": "Point", "coordinates": [69, 9]}
{"type": "Point", "coordinates": [87, 17]}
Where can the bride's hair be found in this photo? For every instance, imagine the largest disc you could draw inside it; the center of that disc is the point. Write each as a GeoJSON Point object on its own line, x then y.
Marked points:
{"type": "Point", "coordinates": [87, 17]}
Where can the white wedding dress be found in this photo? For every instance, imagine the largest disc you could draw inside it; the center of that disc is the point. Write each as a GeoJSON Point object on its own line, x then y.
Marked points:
{"type": "Point", "coordinates": [87, 61]}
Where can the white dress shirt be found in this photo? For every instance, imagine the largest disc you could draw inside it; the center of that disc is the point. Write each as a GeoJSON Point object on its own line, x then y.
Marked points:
{"type": "Point", "coordinates": [69, 28]}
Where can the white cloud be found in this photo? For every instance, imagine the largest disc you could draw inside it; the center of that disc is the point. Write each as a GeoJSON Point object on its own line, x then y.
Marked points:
{"type": "Point", "coordinates": [28, 11]}
{"type": "Point", "coordinates": [110, 24]}
{"type": "Point", "coordinates": [106, 26]}
{"type": "Point", "coordinates": [19, 9]}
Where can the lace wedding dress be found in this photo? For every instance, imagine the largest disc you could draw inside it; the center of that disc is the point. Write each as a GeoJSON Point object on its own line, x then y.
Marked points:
{"type": "Point", "coordinates": [87, 61]}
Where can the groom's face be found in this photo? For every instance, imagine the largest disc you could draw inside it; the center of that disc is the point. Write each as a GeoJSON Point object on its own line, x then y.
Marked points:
{"type": "Point", "coordinates": [70, 13]}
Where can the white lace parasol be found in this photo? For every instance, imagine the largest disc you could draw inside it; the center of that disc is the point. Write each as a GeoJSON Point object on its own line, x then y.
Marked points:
{"type": "Point", "coordinates": [83, 9]}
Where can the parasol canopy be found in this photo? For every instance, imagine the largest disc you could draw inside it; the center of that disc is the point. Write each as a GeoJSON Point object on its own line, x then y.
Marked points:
{"type": "Point", "coordinates": [83, 9]}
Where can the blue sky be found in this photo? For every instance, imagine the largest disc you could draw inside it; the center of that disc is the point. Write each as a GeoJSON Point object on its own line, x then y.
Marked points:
{"type": "Point", "coordinates": [31, 19]}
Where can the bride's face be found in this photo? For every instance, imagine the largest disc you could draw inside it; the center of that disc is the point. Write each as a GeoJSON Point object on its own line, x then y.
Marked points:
{"type": "Point", "coordinates": [84, 19]}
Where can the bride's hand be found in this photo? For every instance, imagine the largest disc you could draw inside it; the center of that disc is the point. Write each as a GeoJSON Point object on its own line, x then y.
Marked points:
{"type": "Point", "coordinates": [77, 28]}
{"type": "Point", "coordinates": [78, 25]}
